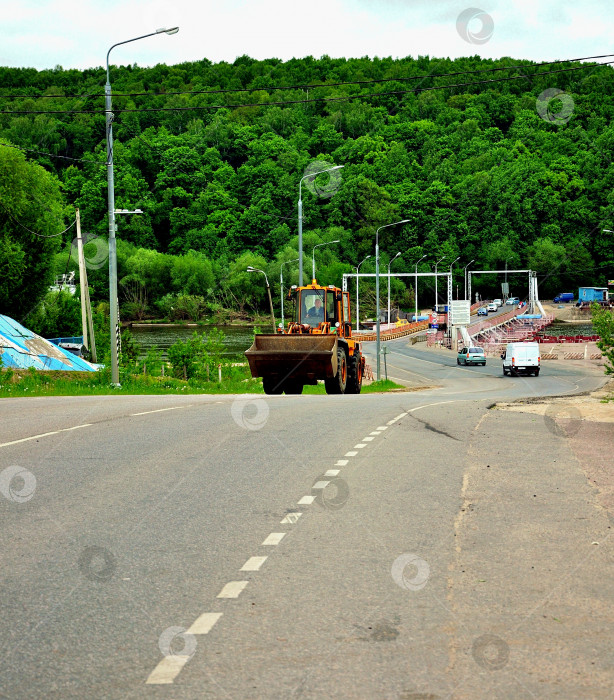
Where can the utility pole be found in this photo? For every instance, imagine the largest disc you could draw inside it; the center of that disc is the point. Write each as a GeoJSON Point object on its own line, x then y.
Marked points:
{"type": "Point", "coordinates": [82, 280]}
{"type": "Point", "coordinates": [86, 307]}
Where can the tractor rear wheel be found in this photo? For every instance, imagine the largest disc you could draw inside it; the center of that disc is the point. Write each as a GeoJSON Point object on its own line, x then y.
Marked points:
{"type": "Point", "coordinates": [272, 385]}
{"type": "Point", "coordinates": [337, 384]}
{"type": "Point", "coordinates": [354, 383]}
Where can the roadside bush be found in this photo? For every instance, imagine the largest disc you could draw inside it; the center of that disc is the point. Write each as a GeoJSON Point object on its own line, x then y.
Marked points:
{"type": "Point", "coordinates": [603, 322]}
{"type": "Point", "coordinates": [198, 356]}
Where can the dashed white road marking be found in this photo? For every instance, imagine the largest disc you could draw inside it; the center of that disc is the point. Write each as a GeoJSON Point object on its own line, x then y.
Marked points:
{"type": "Point", "coordinates": [232, 589]}
{"type": "Point", "coordinates": [204, 623]}
{"type": "Point", "coordinates": [426, 405]}
{"type": "Point", "coordinates": [350, 454]}
{"type": "Point", "coordinates": [159, 410]}
{"type": "Point", "coordinates": [167, 670]}
{"type": "Point", "coordinates": [381, 427]}
{"type": "Point", "coordinates": [274, 538]}
{"type": "Point", "coordinates": [368, 439]}
{"type": "Point", "coordinates": [341, 462]}
{"type": "Point", "coordinates": [253, 564]}
{"type": "Point", "coordinates": [290, 518]}
{"type": "Point", "coordinates": [331, 472]}
{"type": "Point", "coordinates": [359, 446]}
{"type": "Point", "coordinates": [306, 500]}
{"type": "Point", "coordinates": [320, 485]}
{"type": "Point", "coordinates": [391, 422]}
{"type": "Point", "coordinates": [42, 435]}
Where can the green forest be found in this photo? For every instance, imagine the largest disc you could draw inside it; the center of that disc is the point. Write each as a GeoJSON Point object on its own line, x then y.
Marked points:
{"type": "Point", "coordinates": [481, 157]}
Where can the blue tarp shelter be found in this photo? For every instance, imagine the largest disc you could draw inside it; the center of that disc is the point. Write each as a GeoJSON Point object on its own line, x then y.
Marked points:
{"type": "Point", "coordinates": [20, 349]}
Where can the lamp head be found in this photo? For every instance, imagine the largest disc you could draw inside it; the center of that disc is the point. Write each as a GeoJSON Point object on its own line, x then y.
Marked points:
{"type": "Point", "coordinates": [172, 30]}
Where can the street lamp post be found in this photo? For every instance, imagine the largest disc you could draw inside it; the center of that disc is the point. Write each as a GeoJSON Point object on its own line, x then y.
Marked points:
{"type": "Point", "coordinates": [436, 295]}
{"type": "Point", "coordinates": [377, 323]}
{"type": "Point", "coordinates": [111, 208]}
{"type": "Point", "coordinates": [357, 269]}
{"type": "Point", "coordinates": [268, 288]}
{"type": "Point", "coordinates": [465, 276]}
{"type": "Point", "coordinates": [313, 257]}
{"type": "Point", "coordinates": [300, 218]}
{"type": "Point", "coordinates": [281, 286]}
{"type": "Point", "coordinates": [451, 282]}
{"type": "Point", "coordinates": [389, 264]}
{"type": "Point", "coordinates": [416, 288]}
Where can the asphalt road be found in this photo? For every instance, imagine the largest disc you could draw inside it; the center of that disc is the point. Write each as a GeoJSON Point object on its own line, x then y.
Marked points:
{"type": "Point", "coordinates": [411, 545]}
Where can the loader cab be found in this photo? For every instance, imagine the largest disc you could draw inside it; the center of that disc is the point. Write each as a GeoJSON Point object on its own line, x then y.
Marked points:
{"type": "Point", "coordinates": [316, 305]}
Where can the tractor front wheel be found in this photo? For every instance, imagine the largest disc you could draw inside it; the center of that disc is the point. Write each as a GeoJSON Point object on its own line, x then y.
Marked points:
{"type": "Point", "coordinates": [337, 384]}
{"type": "Point", "coordinates": [293, 386]}
{"type": "Point", "coordinates": [272, 385]}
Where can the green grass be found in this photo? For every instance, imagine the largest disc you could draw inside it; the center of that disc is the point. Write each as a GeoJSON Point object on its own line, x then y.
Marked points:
{"type": "Point", "coordinates": [36, 383]}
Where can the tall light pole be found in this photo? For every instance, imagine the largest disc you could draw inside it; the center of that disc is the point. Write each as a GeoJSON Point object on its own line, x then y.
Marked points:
{"type": "Point", "coordinates": [268, 288]}
{"type": "Point", "coordinates": [389, 264]}
{"type": "Point", "coordinates": [416, 288]}
{"type": "Point", "coordinates": [377, 334]}
{"type": "Point", "coordinates": [436, 295]}
{"type": "Point", "coordinates": [465, 277]}
{"type": "Point", "coordinates": [111, 208]}
{"type": "Point", "coordinates": [281, 286]}
{"type": "Point", "coordinates": [300, 217]}
{"type": "Point", "coordinates": [357, 269]}
{"type": "Point", "coordinates": [451, 281]}
{"type": "Point", "coordinates": [313, 257]}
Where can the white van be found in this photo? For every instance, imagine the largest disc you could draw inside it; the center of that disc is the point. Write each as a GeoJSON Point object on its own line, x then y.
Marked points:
{"type": "Point", "coordinates": [521, 358]}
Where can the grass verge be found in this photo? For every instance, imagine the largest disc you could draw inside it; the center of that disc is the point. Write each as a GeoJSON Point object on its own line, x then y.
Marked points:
{"type": "Point", "coordinates": [49, 383]}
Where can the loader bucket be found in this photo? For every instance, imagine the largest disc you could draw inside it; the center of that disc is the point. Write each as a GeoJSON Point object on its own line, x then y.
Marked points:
{"type": "Point", "coordinates": [301, 357]}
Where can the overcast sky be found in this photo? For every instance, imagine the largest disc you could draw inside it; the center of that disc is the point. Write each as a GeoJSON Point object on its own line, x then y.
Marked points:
{"type": "Point", "coordinates": [78, 33]}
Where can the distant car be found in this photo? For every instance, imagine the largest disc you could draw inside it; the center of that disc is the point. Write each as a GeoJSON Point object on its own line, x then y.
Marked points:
{"type": "Point", "coordinates": [512, 301]}
{"type": "Point", "coordinates": [493, 307]}
{"type": "Point", "coordinates": [565, 298]}
{"type": "Point", "coordinates": [471, 356]}
{"type": "Point", "coordinates": [483, 311]}
{"type": "Point", "coordinates": [498, 302]}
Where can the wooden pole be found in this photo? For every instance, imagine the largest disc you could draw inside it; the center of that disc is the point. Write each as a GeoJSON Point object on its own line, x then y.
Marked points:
{"type": "Point", "coordinates": [82, 280]}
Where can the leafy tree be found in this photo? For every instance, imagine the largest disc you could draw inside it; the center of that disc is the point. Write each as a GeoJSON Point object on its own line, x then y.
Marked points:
{"type": "Point", "coordinates": [31, 217]}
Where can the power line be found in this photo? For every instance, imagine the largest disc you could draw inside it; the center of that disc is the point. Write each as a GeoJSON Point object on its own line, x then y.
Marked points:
{"type": "Point", "coordinates": [51, 155]}
{"type": "Point", "coordinates": [40, 235]}
{"type": "Point", "coordinates": [274, 88]}
{"type": "Point", "coordinates": [311, 101]}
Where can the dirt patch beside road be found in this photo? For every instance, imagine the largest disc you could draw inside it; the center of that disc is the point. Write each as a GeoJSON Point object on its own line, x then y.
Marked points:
{"type": "Point", "coordinates": [588, 424]}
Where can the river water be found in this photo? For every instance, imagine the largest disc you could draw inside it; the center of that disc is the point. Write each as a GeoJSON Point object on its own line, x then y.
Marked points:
{"type": "Point", "coordinates": [239, 338]}
{"type": "Point", "coordinates": [236, 338]}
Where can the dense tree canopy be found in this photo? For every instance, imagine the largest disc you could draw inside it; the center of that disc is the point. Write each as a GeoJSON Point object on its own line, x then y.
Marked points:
{"type": "Point", "coordinates": [490, 170]}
